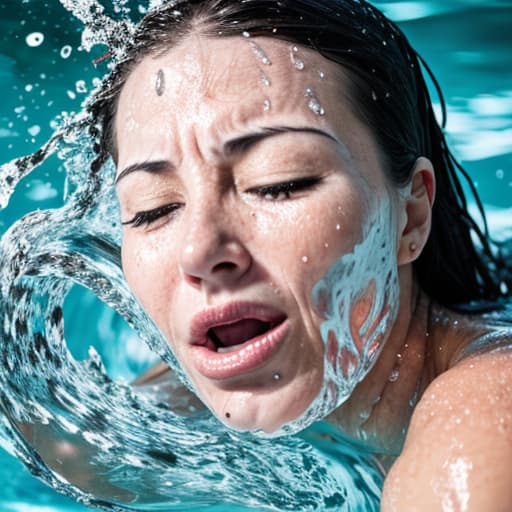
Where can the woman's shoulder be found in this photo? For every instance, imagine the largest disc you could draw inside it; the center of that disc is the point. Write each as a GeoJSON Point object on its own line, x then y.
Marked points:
{"type": "Point", "coordinates": [459, 444]}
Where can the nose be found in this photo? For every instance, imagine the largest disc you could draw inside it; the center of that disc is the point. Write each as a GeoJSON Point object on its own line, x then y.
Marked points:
{"type": "Point", "coordinates": [212, 253]}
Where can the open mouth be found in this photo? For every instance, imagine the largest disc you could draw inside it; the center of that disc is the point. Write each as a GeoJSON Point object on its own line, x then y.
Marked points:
{"type": "Point", "coordinates": [236, 339]}
{"type": "Point", "coordinates": [228, 338]}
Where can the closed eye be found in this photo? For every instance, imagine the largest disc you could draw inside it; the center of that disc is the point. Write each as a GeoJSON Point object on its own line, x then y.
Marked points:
{"type": "Point", "coordinates": [146, 218]}
{"type": "Point", "coordinates": [285, 190]}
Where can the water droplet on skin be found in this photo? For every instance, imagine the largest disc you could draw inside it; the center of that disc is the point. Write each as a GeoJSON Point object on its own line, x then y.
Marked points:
{"type": "Point", "coordinates": [338, 227]}
{"type": "Point", "coordinates": [296, 61]}
{"type": "Point", "coordinates": [189, 249]}
{"type": "Point", "coordinates": [326, 245]}
{"type": "Point", "coordinates": [313, 103]}
{"type": "Point", "coordinates": [266, 80]}
{"type": "Point", "coordinates": [266, 105]}
{"type": "Point", "coordinates": [160, 83]}
{"type": "Point", "coordinates": [260, 54]}
{"type": "Point", "coordinates": [34, 39]}
{"type": "Point", "coordinates": [364, 415]}
{"type": "Point", "coordinates": [276, 376]}
{"type": "Point", "coordinates": [305, 259]}
{"type": "Point", "coordinates": [321, 74]}
{"type": "Point", "coordinates": [393, 376]}
{"type": "Point", "coordinates": [246, 34]}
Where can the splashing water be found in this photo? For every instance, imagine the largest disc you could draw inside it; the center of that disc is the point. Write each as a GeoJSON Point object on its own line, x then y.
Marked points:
{"type": "Point", "coordinates": [91, 437]}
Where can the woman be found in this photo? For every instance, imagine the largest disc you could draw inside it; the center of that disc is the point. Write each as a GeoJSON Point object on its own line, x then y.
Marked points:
{"type": "Point", "coordinates": [294, 224]}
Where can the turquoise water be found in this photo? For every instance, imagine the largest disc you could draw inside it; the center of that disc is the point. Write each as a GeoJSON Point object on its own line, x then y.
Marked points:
{"type": "Point", "coordinates": [467, 43]}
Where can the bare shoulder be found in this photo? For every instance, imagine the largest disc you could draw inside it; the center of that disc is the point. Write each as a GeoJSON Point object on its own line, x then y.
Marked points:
{"type": "Point", "coordinates": [458, 450]}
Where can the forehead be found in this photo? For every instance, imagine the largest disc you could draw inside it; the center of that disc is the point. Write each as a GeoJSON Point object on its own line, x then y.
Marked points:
{"type": "Point", "coordinates": [206, 90]}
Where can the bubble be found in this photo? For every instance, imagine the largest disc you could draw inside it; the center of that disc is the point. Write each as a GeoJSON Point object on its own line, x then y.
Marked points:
{"type": "Point", "coordinates": [29, 87]}
{"type": "Point", "coordinates": [71, 94]}
{"type": "Point", "coordinates": [80, 86]}
{"type": "Point", "coordinates": [500, 174]}
{"type": "Point", "coordinates": [34, 39]}
{"type": "Point", "coordinates": [65, 51]}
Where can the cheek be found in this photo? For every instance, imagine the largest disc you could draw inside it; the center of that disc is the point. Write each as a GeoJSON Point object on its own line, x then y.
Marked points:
{"type": "Point", "coordinates": [149, 274]}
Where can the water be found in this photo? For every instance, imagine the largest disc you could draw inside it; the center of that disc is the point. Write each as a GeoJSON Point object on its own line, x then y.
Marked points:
{"type": "Point", "coordinates": [43, 72]}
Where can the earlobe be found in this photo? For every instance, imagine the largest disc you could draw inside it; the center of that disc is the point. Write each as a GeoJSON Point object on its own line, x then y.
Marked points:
{"type": "Point", "coordinates": [418, 212]}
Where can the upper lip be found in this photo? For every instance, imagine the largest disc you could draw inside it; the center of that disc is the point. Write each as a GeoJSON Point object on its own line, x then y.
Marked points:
{"type": "Point", "coordinates": [229, 314]}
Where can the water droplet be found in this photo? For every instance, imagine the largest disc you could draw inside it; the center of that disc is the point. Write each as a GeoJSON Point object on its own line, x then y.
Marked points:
{"type": "Point", "coordinates": [34, 130]}
{"type": "Point", "coordinates": [246, 34]}
{"type": "Point", "coordinates": [276, 376]}
{"type": "Point", "coordinates": [260, 54]}
{"type": "Point", "coordinates": [80, 86]}
{"type": "Point", "coordinates": [305, 259]}
{"type": "Point", "coordinates": [266, 105]}
{"type": "Point", "coordinates": [296, 61]}
{"type": "Point", "coordinates": [266, 80]}
{"type": "Point", "coordinates": [503, 288]}
{"type": "Point", "coordinates": [338, 227]}
{"type": "Point", "coordinates": [326, 245]}
{"type": "Point", "coordinates": [374, 96]}
{"type": "Point", "coordinates": [321, 74]}
{"type": "Point", "coordinates": [160, 82]}
{"type": "Point", "coordinates": [384, 43]}
{"type": "Point", "coordinates": [65, 51]}
{"type": "Point", "coordinates": [34, 39]}
{"type": "Point", "coordinates": [393, 376]}
{"type": "Point", "coordinates": [313, 103]}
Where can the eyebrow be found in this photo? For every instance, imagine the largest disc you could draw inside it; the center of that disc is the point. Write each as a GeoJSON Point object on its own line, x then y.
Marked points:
{"type": "Point", "coordinates": [231, 148]}
{"type": "Point", "coordinates": [151, 166]}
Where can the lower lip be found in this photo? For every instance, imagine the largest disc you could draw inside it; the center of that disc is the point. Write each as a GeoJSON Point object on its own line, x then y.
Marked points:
{"type": "Point", "coordinates": [248, 357]}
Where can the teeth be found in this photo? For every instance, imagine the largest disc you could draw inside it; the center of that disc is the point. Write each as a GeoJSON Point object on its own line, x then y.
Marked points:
{"type": "Point", "coordinates": [227, 349]}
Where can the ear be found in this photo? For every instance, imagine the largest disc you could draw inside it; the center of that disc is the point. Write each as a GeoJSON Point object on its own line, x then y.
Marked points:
{"type": "Point", "coordinates": [417, 205]}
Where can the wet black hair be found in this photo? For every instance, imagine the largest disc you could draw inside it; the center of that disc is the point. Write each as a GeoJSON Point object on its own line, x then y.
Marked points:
{"type": "Point", "coordinates": [388, 91]}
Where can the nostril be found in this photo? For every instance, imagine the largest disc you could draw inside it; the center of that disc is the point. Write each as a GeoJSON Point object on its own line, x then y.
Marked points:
{"type": "Point", "coordinates": [224, 266]}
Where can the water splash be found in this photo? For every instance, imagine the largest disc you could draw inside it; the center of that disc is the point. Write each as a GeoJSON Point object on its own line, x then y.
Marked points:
{"type": "Point", "coordinates": [92, 437]}
{"type": "Point", "coordinates": [364, 280]}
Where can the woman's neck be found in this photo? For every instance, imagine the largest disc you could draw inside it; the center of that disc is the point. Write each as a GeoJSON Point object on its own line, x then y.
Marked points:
{"type": "Point", "coordinates": [379, 410]}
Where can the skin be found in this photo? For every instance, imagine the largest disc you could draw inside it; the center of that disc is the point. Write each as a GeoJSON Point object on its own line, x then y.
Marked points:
{"type": "Point", "coordinates": [226, 242]}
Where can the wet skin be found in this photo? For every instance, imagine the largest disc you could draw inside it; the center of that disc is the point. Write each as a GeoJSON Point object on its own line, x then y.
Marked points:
{"type": "Point", "coordinates": [227, 240]}
{"type": "Point", "coordinates": [217, 236]}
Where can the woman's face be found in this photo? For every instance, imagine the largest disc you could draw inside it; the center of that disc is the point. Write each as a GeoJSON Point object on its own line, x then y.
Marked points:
{"type": "Point", "coordinates": [243, 177]}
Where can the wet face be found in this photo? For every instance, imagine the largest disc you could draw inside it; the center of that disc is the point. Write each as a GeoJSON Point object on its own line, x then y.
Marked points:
{"type": "Point", "coordinates": [243, 177]}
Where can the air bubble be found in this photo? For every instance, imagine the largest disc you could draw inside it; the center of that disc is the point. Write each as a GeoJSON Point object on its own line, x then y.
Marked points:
{"type": "Point", "coordinates": [29, 87]}
{"type": "Point", "coordinates": [34, 39]}
{"type": "Point", "coordinates": [65, 51]}
{"type": "Point", "coordinates": [80, 86]}
{"type": "Point", "coordinates": [500, 174]}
